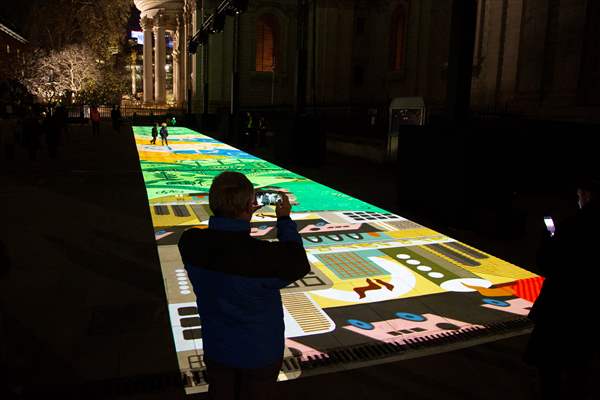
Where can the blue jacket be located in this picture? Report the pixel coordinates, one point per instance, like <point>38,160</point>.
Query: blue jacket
<point>236,279</point>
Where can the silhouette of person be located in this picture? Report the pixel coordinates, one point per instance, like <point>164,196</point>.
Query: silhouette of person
<point>248,136</point>
<point>31,133</point>
<point>242,358</point>
<point>261,131</point>
<point>95,120</point>
<point>52,130</point>
<point>164,133</point>
<point>115,115</point>
<point>154,133</point>
<point>563,345</point>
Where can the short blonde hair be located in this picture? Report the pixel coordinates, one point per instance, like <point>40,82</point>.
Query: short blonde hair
<point>229,194</point>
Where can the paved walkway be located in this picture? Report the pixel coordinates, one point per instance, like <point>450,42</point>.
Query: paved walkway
<point>83,310</point>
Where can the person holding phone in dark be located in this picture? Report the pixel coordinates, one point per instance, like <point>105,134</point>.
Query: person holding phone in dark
<point>237,281</point>
<point>562,345</point>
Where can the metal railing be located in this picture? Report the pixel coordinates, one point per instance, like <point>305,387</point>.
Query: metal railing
<point>127,113</point>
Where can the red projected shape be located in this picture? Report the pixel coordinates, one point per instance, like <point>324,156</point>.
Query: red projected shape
<point>388,286</point>
<point>528,289</point>
<point>371,286</point>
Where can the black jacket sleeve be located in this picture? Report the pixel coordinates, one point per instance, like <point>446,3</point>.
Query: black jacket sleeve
<point>284,260</point>
<point>240,254</point>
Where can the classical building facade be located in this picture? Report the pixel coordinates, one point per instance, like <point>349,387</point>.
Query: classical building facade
<point>538,57</point>
<point>534,57</point>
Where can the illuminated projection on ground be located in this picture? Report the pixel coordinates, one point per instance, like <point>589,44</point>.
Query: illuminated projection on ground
<point>382,288</point>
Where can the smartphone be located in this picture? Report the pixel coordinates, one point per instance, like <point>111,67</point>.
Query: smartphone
<point>550,225</point>
<point>267,198</point>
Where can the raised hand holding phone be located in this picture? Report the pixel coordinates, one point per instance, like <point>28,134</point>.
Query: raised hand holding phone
<point>283,207</point>
<point>267,198</point>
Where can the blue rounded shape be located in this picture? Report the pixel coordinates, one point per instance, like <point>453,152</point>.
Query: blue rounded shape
<point>411,317</point>
<point>263,226</point>
<point>361,324</point>
<point>320,223</point>
<point>495,302</point>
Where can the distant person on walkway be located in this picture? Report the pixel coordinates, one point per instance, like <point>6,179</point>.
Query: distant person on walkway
<point>237,279</point>
<point>31,134</point>
<point>249,133</point>
<point>95,120</point>
<point>262,132</point>
<point>563,346</point>
<point>164,133</point>
<point>52,130</point>
<point>62,117</point>
<point>11,138</point>
<point>154,133</point>
<point>115,115</point>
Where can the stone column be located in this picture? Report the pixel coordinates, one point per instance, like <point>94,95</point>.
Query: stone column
<point>133,83</point>
<point>177,64</point>
<point>147,68</point>
<point>176,80</point>
<point>193,67</point>
<point>188,10</point>
<point>188,59</point>
<point>160,56</point>
<point>460,60</point>
<point>181,60</point>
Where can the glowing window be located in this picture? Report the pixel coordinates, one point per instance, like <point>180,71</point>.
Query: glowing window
<point>266,43</point>
<point>7,49</point>
<point>398,39</point>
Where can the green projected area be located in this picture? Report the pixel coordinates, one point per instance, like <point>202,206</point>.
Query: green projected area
<point>377,279</point>
<point>191,161</point>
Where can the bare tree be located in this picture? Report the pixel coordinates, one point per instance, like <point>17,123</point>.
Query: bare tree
<point>99,26</point>
<point>56,74</point>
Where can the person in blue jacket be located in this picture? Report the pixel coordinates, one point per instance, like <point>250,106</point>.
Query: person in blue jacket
<point>237,281</point>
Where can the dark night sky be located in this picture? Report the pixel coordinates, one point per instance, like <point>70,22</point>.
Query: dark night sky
<point>134,20</point>
<point>14,14</point>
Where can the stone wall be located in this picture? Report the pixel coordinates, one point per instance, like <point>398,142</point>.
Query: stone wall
<point>532,58</point>
<point>528,56</point>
